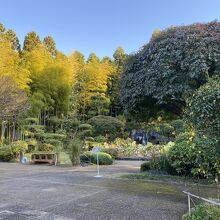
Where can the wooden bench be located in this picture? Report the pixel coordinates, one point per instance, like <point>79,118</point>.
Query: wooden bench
<point>44,157</point>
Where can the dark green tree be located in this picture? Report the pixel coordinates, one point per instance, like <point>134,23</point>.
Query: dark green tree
<point>172,66</point>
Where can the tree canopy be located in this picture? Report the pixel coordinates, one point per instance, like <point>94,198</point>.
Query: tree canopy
<point>175,63</point>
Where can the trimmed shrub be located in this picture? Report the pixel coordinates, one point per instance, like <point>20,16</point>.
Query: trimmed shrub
<point>203,212</point>
<point>54,123</point>
<point>107,126</point>
<point>85,130</point>
<point>104,158</point>
<point>89,157</point>
<point>56,136</point>
<point>70,125</point>
<point>74,149</point>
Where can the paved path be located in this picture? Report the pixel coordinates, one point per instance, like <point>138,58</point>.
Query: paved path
<point>57,193</point>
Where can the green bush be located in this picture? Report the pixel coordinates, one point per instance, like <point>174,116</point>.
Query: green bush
<point>6,153</point>
<point>46,147</point>
<point>162,164</point>
<point>145,166</point>
<point>203,109</point>
<point>54,123</point>
<point>111,151</point>
<point>195,156</point>
<point>106,126</point>
<point>104,158</point>
<point>203,212</point>
<point>74,149</point>
<point>18,146</point>
<point>55,136</point>
<point>70,125</point>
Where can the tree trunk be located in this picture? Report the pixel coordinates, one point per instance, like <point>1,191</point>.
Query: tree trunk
<point>3,131</point>
<point>13,133</point>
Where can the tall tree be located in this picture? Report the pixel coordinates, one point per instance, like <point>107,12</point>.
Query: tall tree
<point>13,100</point>
<point>31,41</point>
<point>77,63</point>
<point>10,36</point>
<point>172,66</point>
<point>13,103</point>
<point>50,45</point>
<point>13,39</point>
<point>11,65</point>
<point>114,80</point>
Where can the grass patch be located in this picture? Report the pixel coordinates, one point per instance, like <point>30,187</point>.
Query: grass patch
<point>165,178</point>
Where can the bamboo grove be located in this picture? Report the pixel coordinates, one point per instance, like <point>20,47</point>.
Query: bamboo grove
<point>39,81</point>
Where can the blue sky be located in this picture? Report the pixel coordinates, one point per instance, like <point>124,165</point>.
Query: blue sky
<point>101,26</point>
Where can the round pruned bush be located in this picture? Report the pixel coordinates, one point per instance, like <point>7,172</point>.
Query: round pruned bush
<point>85,130</point>
<point>104,158</point>
<point>89,157</point>
<point>107,126</point>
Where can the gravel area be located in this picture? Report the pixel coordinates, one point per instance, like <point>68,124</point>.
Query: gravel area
<point>62,193</point>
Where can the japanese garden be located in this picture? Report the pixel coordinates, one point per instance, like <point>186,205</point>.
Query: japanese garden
<point>159,105</point>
